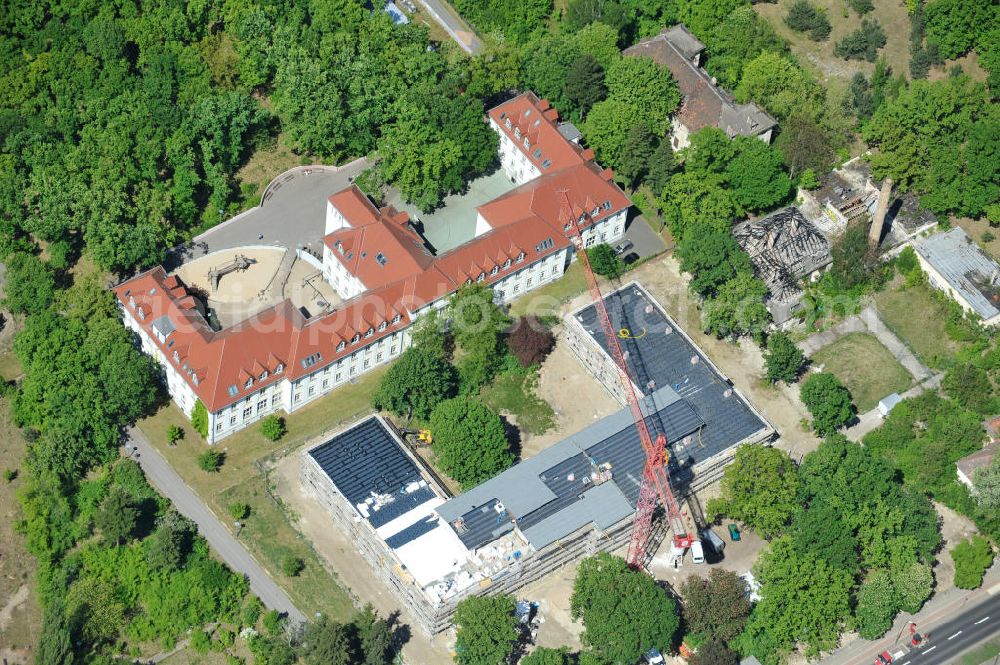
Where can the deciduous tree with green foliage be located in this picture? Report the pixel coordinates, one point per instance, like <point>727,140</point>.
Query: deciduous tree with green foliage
<point>972,558</point>
<point>760,489</point>
<point>783,360</point>
<point>877,605</point>
<point>199,418</point>
<point>486,629</point>
<point>604,261</point>
<point>828,401</point>
<point>416,383</point>
<point>470,443</point>
<point>986,484</point>
<point>624,612</point>
<point>738,308</point>
<point>547,656</point>
<point>585,83</point>
<point>969,386</point>
<point>954,26</point>
<point>716,607</point>
<point>712,257</point>
<point>778,84</point>
<point>735,41</point>
<point>29,284</point>
<point>273,427</point>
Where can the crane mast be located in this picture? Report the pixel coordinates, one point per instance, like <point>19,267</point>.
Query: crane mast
<point>655,477</point>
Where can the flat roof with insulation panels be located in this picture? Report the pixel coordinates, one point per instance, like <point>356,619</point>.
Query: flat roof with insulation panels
<point>371,469</point>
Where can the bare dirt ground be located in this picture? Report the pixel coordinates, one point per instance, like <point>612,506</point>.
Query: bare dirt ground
<point>20,616</point>
<point>307,288</point>
<point>552,594</point>
<point>743,362</point>
<point>351,570</point>
<point>954,529</point>
<point>574,394</point>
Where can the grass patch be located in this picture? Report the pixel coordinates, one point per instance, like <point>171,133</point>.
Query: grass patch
<point>267,162</point>
<point>10,368</point>
<point>546,300</point>
<point>514,393</point>
<point>271,538</point>
<point>983,654</point>
<point>866,367</point>
<point>925,332</point>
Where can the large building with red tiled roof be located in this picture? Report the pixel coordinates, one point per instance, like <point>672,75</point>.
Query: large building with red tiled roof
<point>280,359</point>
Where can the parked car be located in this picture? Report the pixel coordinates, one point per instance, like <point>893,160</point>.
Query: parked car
<point>883,658</point>
<point>623,246</point>
<point>653,657</point>
<point>630,258</point>
<point>734,533</point>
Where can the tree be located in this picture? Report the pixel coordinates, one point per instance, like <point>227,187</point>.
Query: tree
<point>55,644</point>
<point>29,285</point>
<point>738,39</point>
<point>986,484</point>
<point>624,612</point>
<point>585,83</point>
<point>486,629</point>
<point>828,401</point>
<point>716,607</point>
<point>783,360</point>
<point>693,200</point>
<point>913,585</point>
<point>272,427</point>
<point>530,341</point>
<point>805,17</point>
<point>862,44</point>
<point>854,263</point>
<point>239,510</point>
<point>877,606</point>
<point>823,530</point>
<point>477,325</point>
<point>805,145</point>
<point>954,26</point>
<point>211,460</point>
<point>375,636</point>
<point>660,167</point>
<point>117,518</point>
<point>604,261</point>
<point>329,643</point>
<point>779,85</point>
<point>168,544</point>
<point>804,600</point>
<point>581,13</point>
<point>760,489</point>
<point>470,443</point>
<point>636,153</point>
<point>712,257</point>
<point>547,656</point>
<point>199,418</point>
<point>940,156</point>
<point>416,383</point>
<point>174,434</point>
<point>292,565</point>
<point>757,174</point>
<point>715,652</point>
<point>858,101</point>
<point>972,558</point>
<point>970,386</point>
<point>738,308</point>
<point>647,88</point>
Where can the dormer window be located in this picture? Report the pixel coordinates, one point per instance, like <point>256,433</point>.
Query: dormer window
<point>517,132</point>
<point>248,383</point>
<point>279,369</point>
<point>233,390</point>
<point>468,281</point>
<point>567,226</point>
<point>263,375</point>
<point>520,257</point>
<point>177,357</point>
<point>606,205</point>
<point>141,311</point>
<point>506,264</point>
<point>194,379</point>
<point>595,212</point>
<point>507,122</point>
<point>355,339</point>
<point>397,318</point>
<point>481,277</point>
<point>340,347</point>
<point>371,331</point>
<point>382,326</point>
<point>494,270</point>
<point>527,144</point>
<point>131,301</point>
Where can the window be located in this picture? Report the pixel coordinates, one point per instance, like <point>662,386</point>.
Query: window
<point>595,212</point>
<point>367,362</point>
<point>506,264</point>
<point>494,270</point>
<point>326,383</point>
<point>529,281</point>
<point>177,357</point>
<point>298,396</point>
<point>354,370</point>
<point>481,277</point>
<point>555,270</point>
<point>312,389</point>
<point>248,383</point>
<point>261,405</point>
<point>274,399</point>
<point>232,420</point>
<point>397,318</point>
<point>516,288</point>
<point>382,326</point>
<point>247,411</point>
<point>355,339</point>
<point>338,377</point>
<point>606,205</point>
<point>590,241</point>
<point>392,349</point>
<point>520,257</point>
<point>218,427</point>
<point>371,331</point>
<point>378,358</point>
<point>233,390</point>
<point>340,347</point>
<point>263,375</point>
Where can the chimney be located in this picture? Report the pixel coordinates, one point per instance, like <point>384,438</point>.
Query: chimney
<point>875,232</point>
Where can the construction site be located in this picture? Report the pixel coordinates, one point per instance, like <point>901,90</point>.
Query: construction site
<point>592,491</point>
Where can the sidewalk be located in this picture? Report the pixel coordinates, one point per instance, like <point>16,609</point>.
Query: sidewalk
<point>938,609</point>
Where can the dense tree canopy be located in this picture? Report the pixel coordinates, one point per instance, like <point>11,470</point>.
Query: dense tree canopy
<point>416,383</point>
<point>470,443</point>
<point>486,629</point>
<point>828,401</point>
<point>624,612</point>
<point>783,360</point>
<point>716,607</point>
<point>760,488</point>
<point>712,256</point>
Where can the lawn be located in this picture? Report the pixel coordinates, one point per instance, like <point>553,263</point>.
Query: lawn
<point>269,534</point>
<point>919,320</point>
<point>985,653</point>
<point>514,393</point>
<point>866,367</point>
<point>545,300</point>
<point>267,162</point>
<point>10,368</point>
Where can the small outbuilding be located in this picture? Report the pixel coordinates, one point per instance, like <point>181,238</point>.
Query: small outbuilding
<point>955,264</point>
<point>967,466</point>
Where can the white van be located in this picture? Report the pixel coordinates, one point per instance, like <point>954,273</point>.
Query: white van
<point>697,553</point>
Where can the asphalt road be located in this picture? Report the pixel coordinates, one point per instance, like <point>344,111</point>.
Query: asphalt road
<point>949,639</point>
<point>454,25</point>
<point>165,479</point>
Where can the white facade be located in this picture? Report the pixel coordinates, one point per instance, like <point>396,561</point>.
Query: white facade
<point>336,274</point>
<point>514,159</point>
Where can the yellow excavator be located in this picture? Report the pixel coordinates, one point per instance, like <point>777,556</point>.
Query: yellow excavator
<point>424,437</point>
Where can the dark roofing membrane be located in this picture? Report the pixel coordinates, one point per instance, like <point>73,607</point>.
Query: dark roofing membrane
<point>688,403</point>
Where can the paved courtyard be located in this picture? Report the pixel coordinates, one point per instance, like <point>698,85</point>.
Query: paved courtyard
<point>293,214</point>
<point>454,222</point>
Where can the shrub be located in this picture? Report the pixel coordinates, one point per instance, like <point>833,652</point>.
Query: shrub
<point>808,179</point>
<point>604,261</point>
<point>972,558</point>
<point>861,6</point>
<point>987,237</point>
<point>862,44</point>
<point>200,642</point>
<point>174,434</point>
<point>272,622</point>
<point>530,341</point>
<point>239,511</point>
<point>805,17</point>
<point>199,419</point>
<point>783,360</point>
<point>292,565</point>
<point>9,475</point>
<point>251,613</point>
<point>211,460</point>
<point>273,427</point>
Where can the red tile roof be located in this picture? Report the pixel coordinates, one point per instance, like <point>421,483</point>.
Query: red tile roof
<point>529,220</point>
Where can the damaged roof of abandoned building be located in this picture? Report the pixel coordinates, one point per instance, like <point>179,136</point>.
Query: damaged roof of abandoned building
<point>783,247</point>
<point>704,103</point>
<point>970,271</point>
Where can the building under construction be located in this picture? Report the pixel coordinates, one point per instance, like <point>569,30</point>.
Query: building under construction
<point>573,499</point>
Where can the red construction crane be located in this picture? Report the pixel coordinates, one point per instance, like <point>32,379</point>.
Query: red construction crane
<point>655,477</point>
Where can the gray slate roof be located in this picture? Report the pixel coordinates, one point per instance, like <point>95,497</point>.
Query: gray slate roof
<point>968,270</point>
